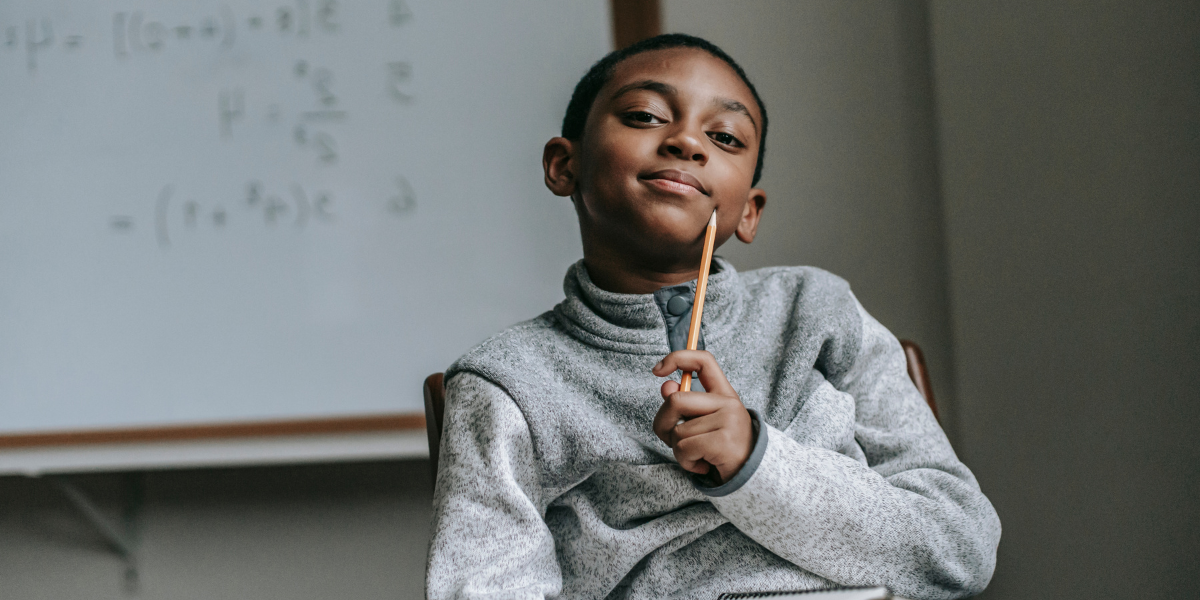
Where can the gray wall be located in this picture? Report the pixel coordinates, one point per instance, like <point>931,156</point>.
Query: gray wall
<point>1070,144</point>
<point>851,165</point>
<point>355,531</point>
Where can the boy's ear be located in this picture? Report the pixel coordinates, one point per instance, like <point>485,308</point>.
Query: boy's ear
<point>751,213</point>
<point>558,166</point>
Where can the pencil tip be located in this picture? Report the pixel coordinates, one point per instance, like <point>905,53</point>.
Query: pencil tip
<point>712,221</point>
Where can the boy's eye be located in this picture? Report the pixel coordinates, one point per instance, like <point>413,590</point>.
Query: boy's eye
<point>642,116</point>
<point>721,137</point>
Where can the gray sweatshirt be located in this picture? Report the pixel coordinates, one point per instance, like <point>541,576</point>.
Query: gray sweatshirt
<point>552,484</point>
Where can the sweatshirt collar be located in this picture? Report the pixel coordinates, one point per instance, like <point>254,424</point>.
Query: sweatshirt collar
<point>634,323</point>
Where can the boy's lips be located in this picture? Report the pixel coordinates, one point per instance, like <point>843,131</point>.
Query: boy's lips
<point>676,180</point>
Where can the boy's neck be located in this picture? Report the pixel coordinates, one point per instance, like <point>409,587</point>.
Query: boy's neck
<point>616,276</point>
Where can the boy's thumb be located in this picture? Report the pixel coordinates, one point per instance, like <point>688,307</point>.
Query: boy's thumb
<point>669,387</point>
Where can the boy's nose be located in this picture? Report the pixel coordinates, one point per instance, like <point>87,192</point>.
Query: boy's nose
<point>685,145</point>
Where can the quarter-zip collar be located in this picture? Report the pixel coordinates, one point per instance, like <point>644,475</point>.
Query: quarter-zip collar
<point>638,323</point>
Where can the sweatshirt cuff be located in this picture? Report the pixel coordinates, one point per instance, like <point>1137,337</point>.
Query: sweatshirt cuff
<point>747,470</point>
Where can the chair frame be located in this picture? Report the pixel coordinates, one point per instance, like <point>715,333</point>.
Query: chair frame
<point>435,407</point>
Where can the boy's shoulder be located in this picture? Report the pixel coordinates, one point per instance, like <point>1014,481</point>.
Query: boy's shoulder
<point>809,298</point>
<point>802,288</point>
<point>798,275</point>
<point>531,340</point>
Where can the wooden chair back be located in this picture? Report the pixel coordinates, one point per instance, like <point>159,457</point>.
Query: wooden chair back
<point>435,397</point>
<point>918,373</point>
<point>435,407</point>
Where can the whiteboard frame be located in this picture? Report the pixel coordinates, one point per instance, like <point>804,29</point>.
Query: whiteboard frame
<point>214,453</point>
<point>376,437</point>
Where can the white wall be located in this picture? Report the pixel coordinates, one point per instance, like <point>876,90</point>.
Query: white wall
<point>1070,144</point>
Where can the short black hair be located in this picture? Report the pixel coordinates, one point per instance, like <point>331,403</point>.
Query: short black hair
<point>589,86</point>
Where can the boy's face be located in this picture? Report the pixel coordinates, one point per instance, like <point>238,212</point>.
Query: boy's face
<point>671,136</point>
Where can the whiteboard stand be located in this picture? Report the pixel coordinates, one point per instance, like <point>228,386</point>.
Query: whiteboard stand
<point>382,437</point>
<point>121,540</point>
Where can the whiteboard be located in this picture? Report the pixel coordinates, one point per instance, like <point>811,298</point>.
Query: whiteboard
<point>231,211</point>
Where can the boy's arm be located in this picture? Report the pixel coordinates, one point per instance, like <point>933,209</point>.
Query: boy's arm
<point>913,519</point>
<point>489,537</point>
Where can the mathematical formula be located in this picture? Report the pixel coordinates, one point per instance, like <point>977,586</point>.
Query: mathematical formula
<point>313,120</point>
<point>174,213</point>
<point>140,32</point>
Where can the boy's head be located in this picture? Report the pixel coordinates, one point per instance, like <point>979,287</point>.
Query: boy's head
<point>656,136</point>
<point>601,72</point>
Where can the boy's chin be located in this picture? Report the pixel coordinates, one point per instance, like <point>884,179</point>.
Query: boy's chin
<point>673,252</point>
<point>660,236</point>
<point>678,224</point>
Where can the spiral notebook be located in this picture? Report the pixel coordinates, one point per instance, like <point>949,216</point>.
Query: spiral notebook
<point>861,593</point>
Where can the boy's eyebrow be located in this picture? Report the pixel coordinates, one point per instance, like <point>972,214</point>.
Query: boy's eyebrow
<point>651,85</point>
<point>731,105</point>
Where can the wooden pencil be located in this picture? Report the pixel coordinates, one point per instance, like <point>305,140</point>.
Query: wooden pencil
<point>693,338</point>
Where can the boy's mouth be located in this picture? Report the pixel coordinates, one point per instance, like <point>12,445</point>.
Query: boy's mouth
<point>676,181</point>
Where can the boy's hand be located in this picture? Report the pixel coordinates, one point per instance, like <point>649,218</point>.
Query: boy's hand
<point>703,428</point>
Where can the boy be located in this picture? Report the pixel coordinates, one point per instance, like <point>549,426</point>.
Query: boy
<point>808,460</point>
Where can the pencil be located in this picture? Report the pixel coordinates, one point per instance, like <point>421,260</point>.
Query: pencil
<point>710,235</point>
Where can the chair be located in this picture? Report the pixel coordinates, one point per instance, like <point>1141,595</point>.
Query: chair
<point>435,397</point>
<point>919,374</point>
<point>435,405</point>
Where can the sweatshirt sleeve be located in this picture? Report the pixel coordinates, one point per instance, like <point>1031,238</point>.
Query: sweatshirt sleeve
<point>912,517</point>
<point>489,536</point>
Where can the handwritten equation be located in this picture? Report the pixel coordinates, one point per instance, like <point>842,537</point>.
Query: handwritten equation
<point>136,31</point>
<point>311,109</point>
<point>291,205</point>
<point>139,32</point>
<point>142,32</point>
<point>313,126</point>
<point>310,125</point>
<point>36,37</point>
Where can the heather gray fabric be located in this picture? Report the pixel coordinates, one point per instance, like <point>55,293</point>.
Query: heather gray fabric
<point>552,483</point>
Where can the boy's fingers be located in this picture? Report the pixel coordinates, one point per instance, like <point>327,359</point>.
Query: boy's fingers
<point>693,404</point>
<point>698,361</point>
<point>708,448</point>
<point>700,467</point>
<point>679,360</point>
<point>682,428</point>
<point>691,452</point>
<point>697,426</point>
<point>681,405</point>
<point>669,387</point>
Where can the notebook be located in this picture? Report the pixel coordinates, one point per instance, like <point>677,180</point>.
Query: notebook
<point>862,593</point>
